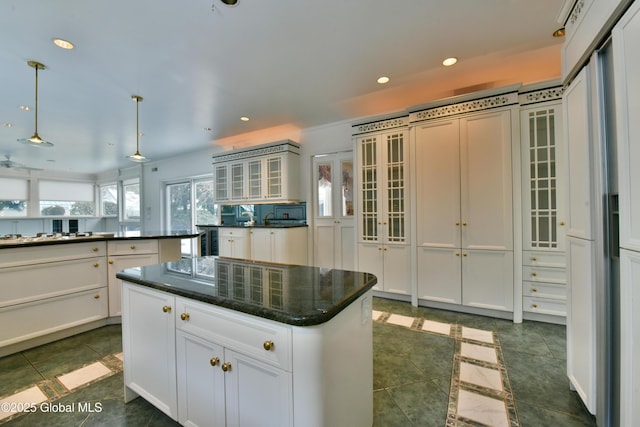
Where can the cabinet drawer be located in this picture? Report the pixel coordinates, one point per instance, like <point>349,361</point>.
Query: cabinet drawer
<point>544,274</point>
<point>238,332</point>
<point>233,232</point>
<point>545,306</point>
<point>44,317</point>
<point>13,257</point>
<point>544,259</point>
<point>29,283</point>
<point>128,247</point>
<point>544,290</point>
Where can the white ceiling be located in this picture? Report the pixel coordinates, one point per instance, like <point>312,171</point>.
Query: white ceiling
<point>286,64</point>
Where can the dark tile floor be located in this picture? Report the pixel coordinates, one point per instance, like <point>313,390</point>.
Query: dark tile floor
<point>412,373</point>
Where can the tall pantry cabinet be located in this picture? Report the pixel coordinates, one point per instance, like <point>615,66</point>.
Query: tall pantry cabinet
<point>382,150</point>
<point>464,207</point>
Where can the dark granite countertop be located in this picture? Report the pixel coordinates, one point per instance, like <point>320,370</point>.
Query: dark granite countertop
<point>240,225</point>
<point>293,294</point>
<point>55,240</point>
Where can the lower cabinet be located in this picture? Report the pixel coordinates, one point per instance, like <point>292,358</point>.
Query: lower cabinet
<point>234,242</point>
<point>281,245</point>
<point>390,263</point>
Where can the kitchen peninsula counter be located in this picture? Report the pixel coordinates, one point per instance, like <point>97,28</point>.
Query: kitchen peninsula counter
<point>264,331</point>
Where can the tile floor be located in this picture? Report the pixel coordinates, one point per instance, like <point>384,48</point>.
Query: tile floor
<point>417,353</point>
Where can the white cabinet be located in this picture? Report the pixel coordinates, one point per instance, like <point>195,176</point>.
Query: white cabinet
<point>50,288</point>
<point>334,220</point>
<point>384,208</point>
<point>232,368</point>
<point>544,282</point>
<point>148,344</point>
<point>629,343</point>
<point>464,233</point>
<point>581,317</point>
<point>234,243</point>
<point>280,245</point>
<point>264,174</point>
<point>122,254</point>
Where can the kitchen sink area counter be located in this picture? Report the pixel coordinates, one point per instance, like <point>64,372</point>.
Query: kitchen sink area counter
<point>263,329</point>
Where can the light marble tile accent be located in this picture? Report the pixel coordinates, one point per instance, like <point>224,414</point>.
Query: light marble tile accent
<point>478,375</point>
<point>485,410</point>
<point>16,402</point>
<point>477,335</point>
<point>84,375</point>
<point>375,314</point>
<point>120,356</point>
<point>436,327</point>
<point>400,320</point>
<point>478,352</point>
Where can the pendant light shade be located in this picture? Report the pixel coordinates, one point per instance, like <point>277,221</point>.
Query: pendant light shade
<point>35,139</point>
<point>137,157</point>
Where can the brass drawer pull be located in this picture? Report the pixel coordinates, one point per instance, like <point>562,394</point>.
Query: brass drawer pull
<point>534,258</point>
<point>166,308</point>
<point>268,345</point>
<point>534,305</point>
<point>226,367</point>
<point>215,361</point>
<point>185,316</point>
<point>96,265</point>
<point>95,249</point>
<point>96,296</point>
<point>132,247</point>
<point>534,290</point>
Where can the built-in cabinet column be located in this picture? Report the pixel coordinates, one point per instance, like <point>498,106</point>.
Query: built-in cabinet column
<point>544,287</point>
<point>464,210</point>
<point>384,207</point>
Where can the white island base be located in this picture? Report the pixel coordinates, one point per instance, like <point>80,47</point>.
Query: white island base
<point>205,365</point>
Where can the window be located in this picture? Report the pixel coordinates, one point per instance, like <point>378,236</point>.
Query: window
<point>14,194</point>
<point>63,198</point>
<point>131,200</point>
<point>109,200</point>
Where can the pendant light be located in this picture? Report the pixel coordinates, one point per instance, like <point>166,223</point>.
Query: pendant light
<point>35,140</point>
<point>137,157</point>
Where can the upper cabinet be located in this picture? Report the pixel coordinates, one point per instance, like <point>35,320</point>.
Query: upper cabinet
<point>587,23</point>
<point>263,174</point>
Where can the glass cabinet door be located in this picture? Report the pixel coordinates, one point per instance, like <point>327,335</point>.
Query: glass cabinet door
<point>324,187</point>
<point>221,183</point>
<point>254,169</point>
<point>395,187</point>
<point>543,209</point>
<point>346,188</point>
<point>274,177</point>
<point>237,181</point>
<point>369,188</point>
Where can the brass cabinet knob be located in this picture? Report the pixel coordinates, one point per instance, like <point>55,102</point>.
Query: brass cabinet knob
<point>95,249</point>
<point>185,316</point>
<point>534,274</point>
<point>464,224</point>
<point>96,265</point>
<point>534,305</point>
<point>215,361</point>
<point>379,249</point>
<point>132,247</point>
<point>385,249</point>
<point>464,254</point>
<point>561,223</point>
<point>534,290</point>
<point>534,258</point>
<point>226,366</point>
<point>166,308</point>
<point>268,345</point>
<point>384,223</point>
<point>96,296</point>
<point>457,253</point>
<point>111,262</point>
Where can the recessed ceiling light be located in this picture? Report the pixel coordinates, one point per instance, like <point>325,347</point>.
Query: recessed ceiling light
<point>24,108</point>
<point>64,44</point>
<point>449,61</point>
<point>244,118</point>
<point>7,125</point>
<point>382,80</point>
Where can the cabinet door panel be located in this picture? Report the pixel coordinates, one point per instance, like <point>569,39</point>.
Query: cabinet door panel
<point>397,266</point>
<point>370,261</point>
<point>578,137</point>
<point>486,181</point>
<point>487,279</point>
<point>201,400</point>
<point>629,343</point>
<point>257,394</point>
<point>440,275</point>
<point>438,184</point>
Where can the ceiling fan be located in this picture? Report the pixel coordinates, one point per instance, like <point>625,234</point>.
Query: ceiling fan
<point>10,164</point>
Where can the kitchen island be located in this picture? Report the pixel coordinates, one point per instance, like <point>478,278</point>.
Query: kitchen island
<point>55,286</point>
<point>219,341</point>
